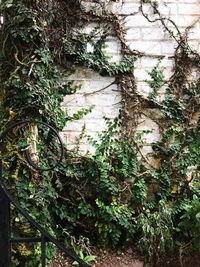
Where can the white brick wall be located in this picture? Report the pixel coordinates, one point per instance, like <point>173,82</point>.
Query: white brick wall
<point>107,103</point>
<point>143,36</point>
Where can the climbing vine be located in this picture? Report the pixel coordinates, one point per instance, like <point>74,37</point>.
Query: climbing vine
<point>117,193</point>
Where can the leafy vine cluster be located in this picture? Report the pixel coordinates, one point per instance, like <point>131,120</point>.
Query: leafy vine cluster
<point>117,194</point>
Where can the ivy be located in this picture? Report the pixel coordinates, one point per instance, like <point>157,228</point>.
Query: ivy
<point>116,193</point>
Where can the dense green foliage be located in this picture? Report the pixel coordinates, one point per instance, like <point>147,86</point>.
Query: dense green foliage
<point>115,194</point>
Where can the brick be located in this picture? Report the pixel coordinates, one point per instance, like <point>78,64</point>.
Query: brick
<point>152,34</point>
<point>124,9</point>
<point>194,33</point>
<point>147,62</point>
<point>85,148</point>
<point>82,148</point>
<point>63,137</point>
<point>133,34</point>
<point>103,99</point>
<point>128,1</point>
<point>83,74</point>
<point>194,75</point>
<point>95,86</point>
<point>115,58</point>
<point>189,9</point>
<point>113,46</point>
<point>71,137</point>
<point>143,89</point>
<point>141,74</point>
<point>168,48</point>
<point>181,1</point>
<point>146,124</point>
<point>148,47</point>
<point>111,112</point>
<point>189,1</point>
<point>195,45</point>
<point>150,137</point>
<point>74,126</point>
<point>74,100</point>
<point>167,62</point>
<point>184,21</point>
<point>136,21</point>
<point>168,9</point>
<point>147,9</point>
<point>95,126</point>
<point>95,113</point>
<point>153,113</point>
<point>167,73</point>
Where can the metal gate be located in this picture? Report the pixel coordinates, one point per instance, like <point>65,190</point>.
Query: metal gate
<point>6,200</point>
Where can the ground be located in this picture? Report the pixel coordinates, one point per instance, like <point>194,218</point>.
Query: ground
<point>126,259</point>
<point>129,259</point>
<point>109,259</point>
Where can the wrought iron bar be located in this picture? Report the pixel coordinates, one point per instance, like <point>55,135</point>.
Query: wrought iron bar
<point>43,250</point>
<point>6,199</point>
<point>5,250</point>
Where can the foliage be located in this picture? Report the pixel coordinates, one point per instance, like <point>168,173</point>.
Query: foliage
<point>29,78</point>
<point>98,60</point>
<point>116,194</point>
<point>97,195</point>
<point>156,233</point>
<point>190,221</point>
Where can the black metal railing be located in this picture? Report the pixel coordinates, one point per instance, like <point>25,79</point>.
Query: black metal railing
<point>6,200</point>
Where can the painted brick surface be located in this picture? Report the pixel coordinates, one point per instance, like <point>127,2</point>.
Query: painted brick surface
<point>143,36</point>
